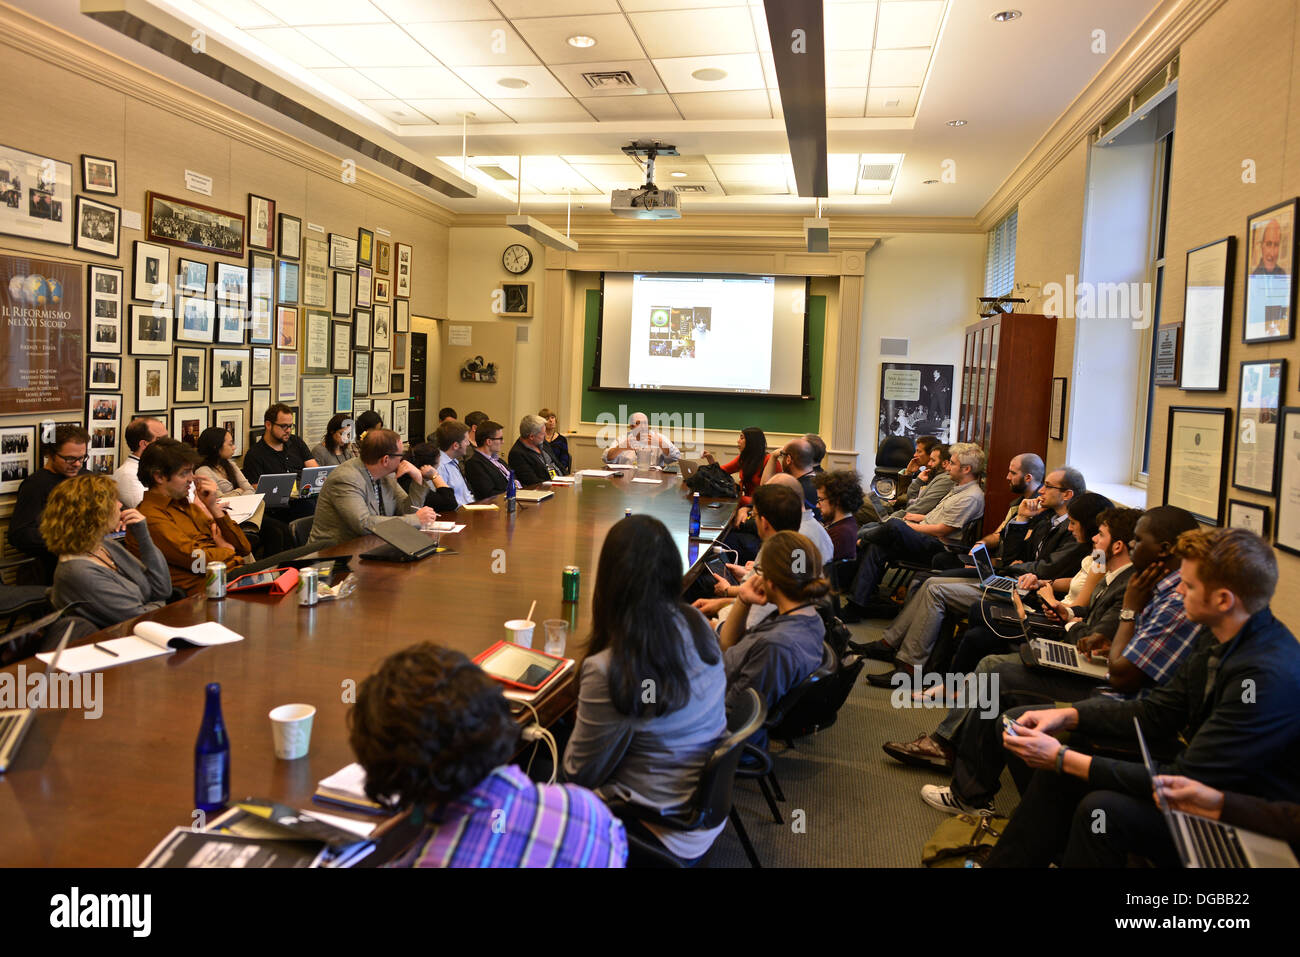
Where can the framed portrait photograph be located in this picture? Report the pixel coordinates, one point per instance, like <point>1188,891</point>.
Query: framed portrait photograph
<point>1196,460</point>
<point>98,226</point>
<point>315,273</point>
<point>341,353</point>
<point>1259,397</point>
<point>261,372</point>
<point>98,175</point>
<point>261,223</point>
<point>361,373</point>
<point>235,421</point>
<point>188,424</point>
<point>17,456</point>
<point>195,319</point>
<point>343,252</point>
<point>103,420</point>
<point>232,283</point>
<point>191,374</point>
<point>151,331</point>
<point>1270,296</point>
<point>380,373</point>
<point>383,289</point>
<point>191,277</point>
<point>343,393</point>
<point>514,299</point>
<point>1248,515</point>
<point>151,378</point>
<point>286,327</point>
<point>361,327</point>
<point>104,309</point>
<point>182,222</point>
<point>232,320</point>
<point>343,293</point>
<point>286,285</point>
<point>383,258</point>
<point>35,197</point>
<point>365,250</point>
<point>317,336</point>
<point>365,285</point>
<point>290,237</point>
<point>402,281</point>
<point>382,336</point>
<point>402,315</point>
<point>1286,532</point>
<point>151,273</point>
<point>104,374</point>
<point>231,375</point>
<point>1206,307</point>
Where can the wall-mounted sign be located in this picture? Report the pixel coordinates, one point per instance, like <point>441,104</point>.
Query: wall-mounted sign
<point>42,355</point>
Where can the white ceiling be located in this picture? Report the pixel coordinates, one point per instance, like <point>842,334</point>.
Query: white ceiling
<point>897,71</point>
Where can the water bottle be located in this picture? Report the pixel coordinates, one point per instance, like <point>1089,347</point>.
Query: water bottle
<point>511,504</point>
<point>212,756</point>
<point>695,516</point>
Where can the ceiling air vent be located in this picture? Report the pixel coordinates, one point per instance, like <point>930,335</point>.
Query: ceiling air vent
<point>611,80</point>
<point>496,172</point>
<point>691,189</point>
<point>877,171</point>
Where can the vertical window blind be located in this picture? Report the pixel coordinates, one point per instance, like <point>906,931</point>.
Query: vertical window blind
<point>1000,260</point>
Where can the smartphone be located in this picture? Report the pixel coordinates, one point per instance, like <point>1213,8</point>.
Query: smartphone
<point>1010,726</point>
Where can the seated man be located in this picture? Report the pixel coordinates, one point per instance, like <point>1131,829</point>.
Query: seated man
<point>434,733</point>
<point>452,439</point>
<point>362,491</point>
<point>1232,701</point>
<point>473,421</point>
<point>139,434</point>
<point>927,490</point>
<point>639,436</point>
<point>280,452</point>
<point>818,449</point>
<point>796,460</point>
<point>65,457</point>
<point>920,538</point>
<point>487,473</point>
<point>744,540</point>
<point>529,457</point>
<point>189,534</point>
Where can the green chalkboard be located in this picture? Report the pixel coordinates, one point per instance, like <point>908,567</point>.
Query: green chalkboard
<point>710,411</point>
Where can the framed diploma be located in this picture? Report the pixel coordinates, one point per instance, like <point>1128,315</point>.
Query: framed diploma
<point>314,279</point>
<point>1263,384</point>
<point>1249,516</point>
<point>316,332</point>
<point>317,404</point>
<point>1287,531</point>
<point>1207,298</point>
<point>1169,353</point>
<point>1196,461</point>
<point>1269,302</point>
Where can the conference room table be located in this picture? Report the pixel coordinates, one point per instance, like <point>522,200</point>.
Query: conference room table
<point>104,792</point>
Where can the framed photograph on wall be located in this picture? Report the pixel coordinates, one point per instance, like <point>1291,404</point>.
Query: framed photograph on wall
<point>359,406</point>
<point>1259,396</point>
<point>232,283</point>
<point>383,289</point>
<point>17,456</point>
<point>188,424</point>
<point>915,398</point>
<point>286,286</point>
<point>361,373</point>
<point>182,222</point>
<point>514,299</point>
<point>98,227</point>
<point>341,354</point>
<point>1207,304</point>
<point>385,409</point>
<point>316,332</point>
<point>191,277</point>
<point>1169,353</point>
<point>365,249</point>
<point>151,378</point>
<point>397,383</point>
<point>1286,531</point>
<point>402,281</point>
<point>234,421</point>
<point>1249,516</point>
<point>261,223</point>
<point>232,319</point>
<point>1270,296</point>
<point>402,418</point>
<point>104,309</point>
<point>151,331</point>
<point>343,252</point>
<point>261,296</point>
<point>195,319</point>
<point>290,237</point>
<point>361,326</point>
<point>37,195</point>
<point>231,375</point>
<point>191,375</point>
<point>342,293</point>
<point>1056,422</point>
<point>98,175</point>
<point>151,273</point>
<point>399,352</point>
<point>261,373</point>
<point>286,327</point>
<point>104,373</point>
<point>1196,460</point>
<point>365,284</point>
<point>103,422</point>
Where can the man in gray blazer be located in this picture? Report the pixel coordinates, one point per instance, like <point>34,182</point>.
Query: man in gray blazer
<point>364,490</point>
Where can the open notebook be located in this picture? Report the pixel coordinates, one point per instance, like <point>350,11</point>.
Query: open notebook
<point>150,640</point>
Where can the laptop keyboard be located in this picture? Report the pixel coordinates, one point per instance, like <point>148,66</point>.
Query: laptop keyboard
<point>1216,845</point>
<point>1059,653</point>
<point>9,724</point>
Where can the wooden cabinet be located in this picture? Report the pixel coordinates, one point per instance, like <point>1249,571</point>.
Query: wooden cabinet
<point>1006,397</point>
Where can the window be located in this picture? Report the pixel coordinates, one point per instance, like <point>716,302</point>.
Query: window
<point>1164,161</point>
<point>1000,260</point>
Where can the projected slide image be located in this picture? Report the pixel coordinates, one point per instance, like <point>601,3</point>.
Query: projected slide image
<point>681,326</point>
<point>661,347</point>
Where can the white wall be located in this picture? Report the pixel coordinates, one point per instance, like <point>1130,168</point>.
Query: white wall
<point>921,287</point>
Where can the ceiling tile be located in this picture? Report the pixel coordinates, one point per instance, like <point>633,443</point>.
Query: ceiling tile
<point>746,159</point>
<point>353,83</point>
<point>849,26</point>
<point>473,43</point>
<point>642,71</point>
<point>371,45</point>
<point>552,175</point>
<point>914,23</point>
<point>611,177</point>
<point>610,108</point>
<point>435,11</point>
<point>892,101</point>
<point>615,159</point>
<point>549,36</point>
<point>515,9</point>
<point>398,111</point>
<point>847,68</point>
<point>242,13</point>
<point>687,33</point>
<point>447,111</point>
<point>545,110</point>
<point>484,80</point>
<point>756,189</point>
<point>632,6</point>
<point>842,172</point>
<point>295,46</point>
<point>425,82</point>
<point>303,12</point>
<point>899,67</point>
<point>759,20</point>
<point>840,102</point>
<point>769,174</point>
<point>744,72</point>
<point>738,105</point>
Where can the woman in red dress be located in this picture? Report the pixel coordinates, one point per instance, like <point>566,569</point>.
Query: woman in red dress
<point>752,444</point>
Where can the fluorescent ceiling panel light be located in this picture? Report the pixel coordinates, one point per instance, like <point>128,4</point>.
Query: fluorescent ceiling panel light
<point>542,233</point>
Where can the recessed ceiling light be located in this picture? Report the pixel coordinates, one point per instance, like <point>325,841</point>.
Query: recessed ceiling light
<point>928,182</point>
<point>678,173</point>
<point>581,42</point>
<point>956,122</point>
<point>1006,16</point>
<point>709,74</point>
<point>512,83</point>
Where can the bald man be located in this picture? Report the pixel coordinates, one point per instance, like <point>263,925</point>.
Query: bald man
<point>795,459</point>
<point>744,539</point>
<point>1269,247</point>
<point>639,436</point>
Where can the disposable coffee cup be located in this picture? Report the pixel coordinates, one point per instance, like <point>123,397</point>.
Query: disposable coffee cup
<point>291,730</point>
<point>520,631</point>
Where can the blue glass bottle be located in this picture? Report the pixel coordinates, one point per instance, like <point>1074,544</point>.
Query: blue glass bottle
<point>695,516</point>
<point>212,756</point>
<point>511,504</point>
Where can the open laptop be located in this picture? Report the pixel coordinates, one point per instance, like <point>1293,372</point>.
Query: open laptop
<point>313,480</point>
<point>15,724</point>
<point>689,467</point>
<point>1205,843</point>
<point>533,494</point>
<point>989,579</point>
<point>277,487</point>
<point>405,543</point>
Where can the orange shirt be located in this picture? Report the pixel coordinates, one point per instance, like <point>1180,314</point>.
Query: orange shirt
<point>180,528</point>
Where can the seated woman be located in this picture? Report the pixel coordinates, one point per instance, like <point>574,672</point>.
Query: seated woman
<point>839,496</point>
<point>336,447</point>
<point>487,473</point>
<point>782,649</point>
<point>556,442</point>
<point>216,448</point>
<point>752,457</point>
<point>111,584</point>
<point>623,746</point>
<point>366,421</point>
<point>424,456</point>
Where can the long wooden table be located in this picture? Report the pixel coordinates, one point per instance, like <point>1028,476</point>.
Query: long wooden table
<point>104,792</point>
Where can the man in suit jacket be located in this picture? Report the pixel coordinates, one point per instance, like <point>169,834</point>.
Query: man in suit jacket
<point>486,473</point>
<point>529,457</point>
<point>362,491</point>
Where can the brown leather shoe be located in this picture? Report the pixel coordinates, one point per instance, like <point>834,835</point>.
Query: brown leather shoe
<point>924,752</point>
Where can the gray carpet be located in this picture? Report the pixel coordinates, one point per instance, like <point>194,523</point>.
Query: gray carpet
<point>861,807</point>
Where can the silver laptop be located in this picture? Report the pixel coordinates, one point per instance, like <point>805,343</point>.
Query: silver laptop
<point>14,724</point>
<point>1205,843</point>
<point>313,480</point>
<point>689,467</point>
<point>534,494</point>
<point>1059,655</point>
<point>990,579</point>
<point>277,487</point>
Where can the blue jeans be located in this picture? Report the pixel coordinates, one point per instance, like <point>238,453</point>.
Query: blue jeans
<point>897,541</point>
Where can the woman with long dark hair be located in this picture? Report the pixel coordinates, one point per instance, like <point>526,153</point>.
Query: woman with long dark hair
<point>752,458</point>
<point>216,447</point>
<point>650,704</point>
<point>336,446</point>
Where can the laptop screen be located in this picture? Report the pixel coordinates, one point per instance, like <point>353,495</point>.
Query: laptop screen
<point>1150,764</point>
<point>983,564</point>
<point>401,535</point>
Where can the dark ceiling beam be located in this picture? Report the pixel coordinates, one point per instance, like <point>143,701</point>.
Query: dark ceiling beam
<point>798,47</point>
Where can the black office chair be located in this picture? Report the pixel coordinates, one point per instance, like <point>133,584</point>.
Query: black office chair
<point>711,802</point>
<point>301,529</point>
<point>901,573</point>
<point>840,573</point>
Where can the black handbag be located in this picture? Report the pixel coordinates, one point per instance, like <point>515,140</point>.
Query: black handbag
<point>711,482</point>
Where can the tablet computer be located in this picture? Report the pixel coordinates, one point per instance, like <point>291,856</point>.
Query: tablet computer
<point>519,667</point>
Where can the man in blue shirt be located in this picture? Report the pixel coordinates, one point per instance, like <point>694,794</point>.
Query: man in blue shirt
<point>452,439</point>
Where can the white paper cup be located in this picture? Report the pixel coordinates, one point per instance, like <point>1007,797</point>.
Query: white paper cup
<point>291,730</point>
<point>520,631</point>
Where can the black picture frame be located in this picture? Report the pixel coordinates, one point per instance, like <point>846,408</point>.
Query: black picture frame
<point>93,184</point>
<point>1221,466</point>
<point>1195,339</point>
<point>1285,536</point>
<point>1261,520</point>
<point>151,276</point>
<point>185,268</point>
<point>365,247</point>
<point>168,218</point>
<point>231,284</point>
<point>194,324</point>
<point>1272,369</point>
<point>341,293</point>
<point>191,384</point>
<point>289,240</point>
<point>96,381</point>
<point>151,331</point>
<point>18,456</point>
<point>257,204</point>
<point>1261,284</point>
<point>91,214</point>
<point>104,310</point>
<point>1056,427</point>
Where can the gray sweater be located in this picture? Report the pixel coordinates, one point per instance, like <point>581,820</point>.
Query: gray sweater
<point>111,596</point>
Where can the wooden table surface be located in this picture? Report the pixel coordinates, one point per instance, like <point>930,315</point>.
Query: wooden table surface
<point>104,792</point>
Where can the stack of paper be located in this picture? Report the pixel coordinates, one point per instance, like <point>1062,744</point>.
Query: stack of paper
<point>597,473</point>
<point>242,507</point>
<point>150,640</point>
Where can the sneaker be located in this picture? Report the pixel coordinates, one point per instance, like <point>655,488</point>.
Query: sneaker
<point>941,798</point>
<point>878,649</point>
<point>924,752</point>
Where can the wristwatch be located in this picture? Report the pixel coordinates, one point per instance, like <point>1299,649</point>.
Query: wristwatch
<point>1127,614</point>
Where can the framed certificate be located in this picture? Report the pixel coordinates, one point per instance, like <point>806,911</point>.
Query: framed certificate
<point>1286,534</point>
<point>1262,387</point>
<point>1249,516</point>
<point>1056,425</point>
<point>1206,302</point>
<point>1196,461</point>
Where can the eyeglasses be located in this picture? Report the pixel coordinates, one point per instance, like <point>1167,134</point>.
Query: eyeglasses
<point>1059,488</point>
<point>71,459</point>
<point>282,425</point>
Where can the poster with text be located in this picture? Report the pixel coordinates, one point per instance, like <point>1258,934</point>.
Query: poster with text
<point>915,400</point>
<point>42,355</point>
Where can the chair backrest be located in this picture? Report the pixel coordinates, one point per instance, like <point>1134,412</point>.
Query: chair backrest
<point>301,528</point>
<point>791,698</point>
<point>970,532</point>
<point>840,573</point>
<point>712,798</point>
<point>820,707</point>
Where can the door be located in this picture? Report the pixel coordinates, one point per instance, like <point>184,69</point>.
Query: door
<point>419,383</point>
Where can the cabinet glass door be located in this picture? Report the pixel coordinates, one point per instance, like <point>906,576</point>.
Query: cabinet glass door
<point>987,431</point>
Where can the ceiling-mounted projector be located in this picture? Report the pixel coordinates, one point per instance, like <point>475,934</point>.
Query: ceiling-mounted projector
<point>649,201</point>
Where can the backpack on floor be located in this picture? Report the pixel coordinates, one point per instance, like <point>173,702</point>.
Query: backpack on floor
<point>964,840</point>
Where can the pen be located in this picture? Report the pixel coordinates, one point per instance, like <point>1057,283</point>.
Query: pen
<point>105,650</point>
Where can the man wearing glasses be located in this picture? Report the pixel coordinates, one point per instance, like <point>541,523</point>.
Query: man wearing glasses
<point>65,457</point>
<point>361,492</point>
<point>278,452</point>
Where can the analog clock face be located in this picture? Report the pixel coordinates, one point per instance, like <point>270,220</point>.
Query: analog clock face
<point>517,259</point>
